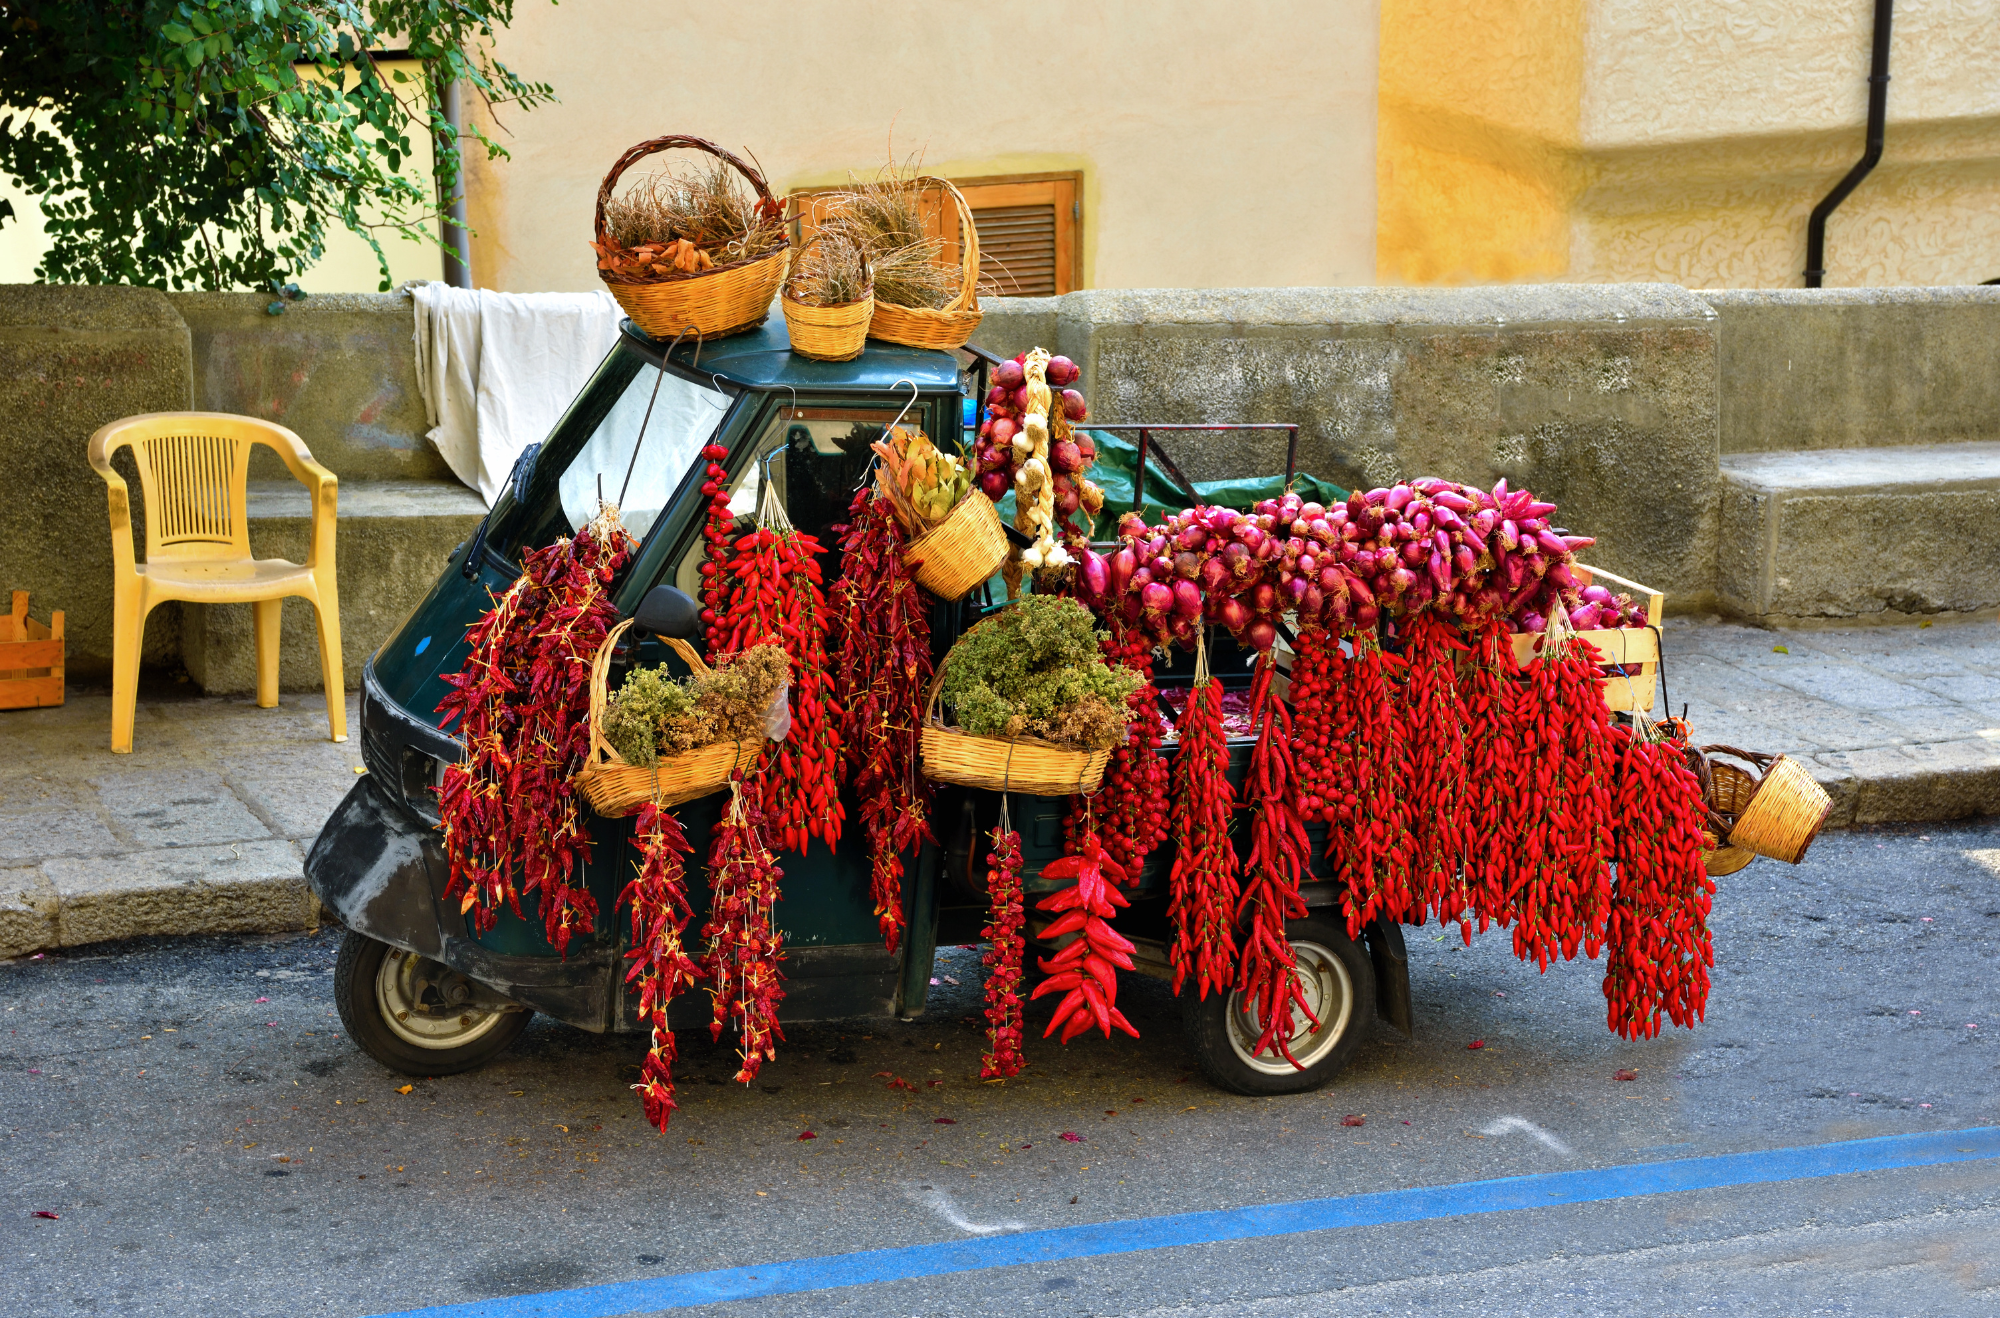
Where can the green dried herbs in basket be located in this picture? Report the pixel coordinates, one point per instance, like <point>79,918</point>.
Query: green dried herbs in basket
<point>654,713</point>
<point>1036,669</point>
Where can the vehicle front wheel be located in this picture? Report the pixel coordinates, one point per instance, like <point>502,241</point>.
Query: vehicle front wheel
<point>416,1015</point>
<point>1338,983</point>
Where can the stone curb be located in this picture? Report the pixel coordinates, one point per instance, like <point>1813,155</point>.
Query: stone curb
<point>1915,784</point>
<point>72,901</point>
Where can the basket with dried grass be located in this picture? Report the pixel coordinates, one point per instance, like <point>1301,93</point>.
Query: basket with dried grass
<point>691,251</point>
<point>829,298</point>
<point>923,299</point>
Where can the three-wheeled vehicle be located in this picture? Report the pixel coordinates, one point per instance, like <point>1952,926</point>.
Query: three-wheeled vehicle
<point>425,992</point>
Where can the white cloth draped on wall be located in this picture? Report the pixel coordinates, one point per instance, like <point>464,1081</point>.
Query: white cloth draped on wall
<point>498,370</point>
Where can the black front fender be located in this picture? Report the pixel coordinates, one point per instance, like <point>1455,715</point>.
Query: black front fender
<point>377,870</point>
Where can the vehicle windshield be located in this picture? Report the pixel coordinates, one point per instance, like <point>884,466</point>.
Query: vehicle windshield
<point>631,418</point>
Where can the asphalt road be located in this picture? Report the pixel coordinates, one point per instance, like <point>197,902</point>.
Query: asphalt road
<point>211,1144</point>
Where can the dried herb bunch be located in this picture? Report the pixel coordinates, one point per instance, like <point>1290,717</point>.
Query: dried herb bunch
<point>830,272</point>
<point>655,713</point>
<point>1036,669</point>
<point>882,217</point>
<point>704,206</point>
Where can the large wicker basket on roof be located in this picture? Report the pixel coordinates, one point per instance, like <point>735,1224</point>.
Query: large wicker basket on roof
<point>708,302</point>
<point>952,324</point>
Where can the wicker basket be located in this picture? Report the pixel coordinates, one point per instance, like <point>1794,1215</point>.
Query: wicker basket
<point>948,326</point>
<point>616,788</point>
<point>828,334</point>
<point>966,548</point>
<point>1026,765</point>
<point>1785,810</point>
<point>726,300</point>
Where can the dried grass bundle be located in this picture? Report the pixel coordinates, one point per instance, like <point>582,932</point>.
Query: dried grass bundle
<point>706,205</point>
<point>829,272</point>
<point>883,217</point>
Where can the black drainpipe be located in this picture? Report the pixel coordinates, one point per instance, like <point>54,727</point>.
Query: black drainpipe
<point>1878,113</point>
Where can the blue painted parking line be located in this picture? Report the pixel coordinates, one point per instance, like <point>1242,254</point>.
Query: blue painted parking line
<point>1593,1185</point>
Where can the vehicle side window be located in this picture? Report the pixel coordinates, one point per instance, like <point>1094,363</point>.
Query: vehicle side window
<point>818,456</point>
<point>631,418</point>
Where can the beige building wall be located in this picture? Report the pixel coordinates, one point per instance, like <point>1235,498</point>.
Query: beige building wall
<point>1220,145</point>
<point>1684,140</point>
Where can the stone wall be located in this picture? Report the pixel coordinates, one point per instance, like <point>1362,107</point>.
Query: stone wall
<point>1845,368</point>
<point>1601,396</point>
<point>341,371</point>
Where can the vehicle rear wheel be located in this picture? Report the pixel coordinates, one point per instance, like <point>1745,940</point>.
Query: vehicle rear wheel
<point>416,1015</point>
<point>1339,988</point>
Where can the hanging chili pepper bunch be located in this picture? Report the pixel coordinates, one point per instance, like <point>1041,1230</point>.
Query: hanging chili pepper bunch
<point>1660,946</point>
<point>1495,791</point>
<point>522,702</point>
<point>881,643</point>
<point>1370,839</point>
<point>1085,971</point>
<point>1135,782</point>
<point>715,529</point>
<point>660,963</point>
<point>741,964</point>
<point>1431,776</point>
<point>1322,796</point>
<point>1280,859</point>
<point>1202,889</point>
<point>1561,896</point>
<point>769,590</point>
<point>1005,946</point>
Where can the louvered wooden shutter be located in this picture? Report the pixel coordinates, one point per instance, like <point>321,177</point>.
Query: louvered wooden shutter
<point>1029,226</point>
<point>1028,230</point>
<point>1017,249</point>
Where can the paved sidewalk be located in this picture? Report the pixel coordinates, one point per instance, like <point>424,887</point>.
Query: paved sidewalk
<point>203,828</point>
<point>1899,724</point>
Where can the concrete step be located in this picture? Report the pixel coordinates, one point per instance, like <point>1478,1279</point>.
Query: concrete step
<point>1881,534</point>
<point>392,540</point>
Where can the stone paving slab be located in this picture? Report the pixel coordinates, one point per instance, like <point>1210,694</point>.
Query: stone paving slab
<point>203,828</point>
<point>1899,723</point>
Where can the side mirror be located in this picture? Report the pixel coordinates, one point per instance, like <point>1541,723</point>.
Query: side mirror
<point>669,611</point>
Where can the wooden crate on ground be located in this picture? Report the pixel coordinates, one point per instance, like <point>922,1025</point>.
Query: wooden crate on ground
<point>1622,647</point>
<point>31,658</point>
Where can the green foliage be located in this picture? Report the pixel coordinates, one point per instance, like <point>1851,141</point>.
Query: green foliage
<point>654,713</point>
<point>1037,669</point>
<point>211,143</point>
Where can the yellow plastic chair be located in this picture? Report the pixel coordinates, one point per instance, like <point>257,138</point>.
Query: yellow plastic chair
<point>194,467</point>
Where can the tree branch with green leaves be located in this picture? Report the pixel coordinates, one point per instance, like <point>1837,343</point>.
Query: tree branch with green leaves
<point>214,144</point>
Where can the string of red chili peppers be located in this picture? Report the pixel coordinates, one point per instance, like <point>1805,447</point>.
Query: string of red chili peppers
<point>1562,893</point>
<point>1280,858</point>
<point>1495,815</point>
<point>1005,947</point>
<point>1202,889</point>
<point>1134,819</point>
<point>744,942</point>
<point>772,593</point>
<point>522,703</point>
<point>660,964</point>
<point>1431,776</point>
<point>1661,951</point>
<point>1370,839</point>
<point>1322,795</point>
<point>1085,971</point>
<point>881,643</point>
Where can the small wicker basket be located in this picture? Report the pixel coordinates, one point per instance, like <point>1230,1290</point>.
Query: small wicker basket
<point>948,326</point>
<point>1785,809</point>
<point>1026,765</point>
<point>726,300</point>
<point>616,788</point>
<point>828,334</point>
<point>966,548</point>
